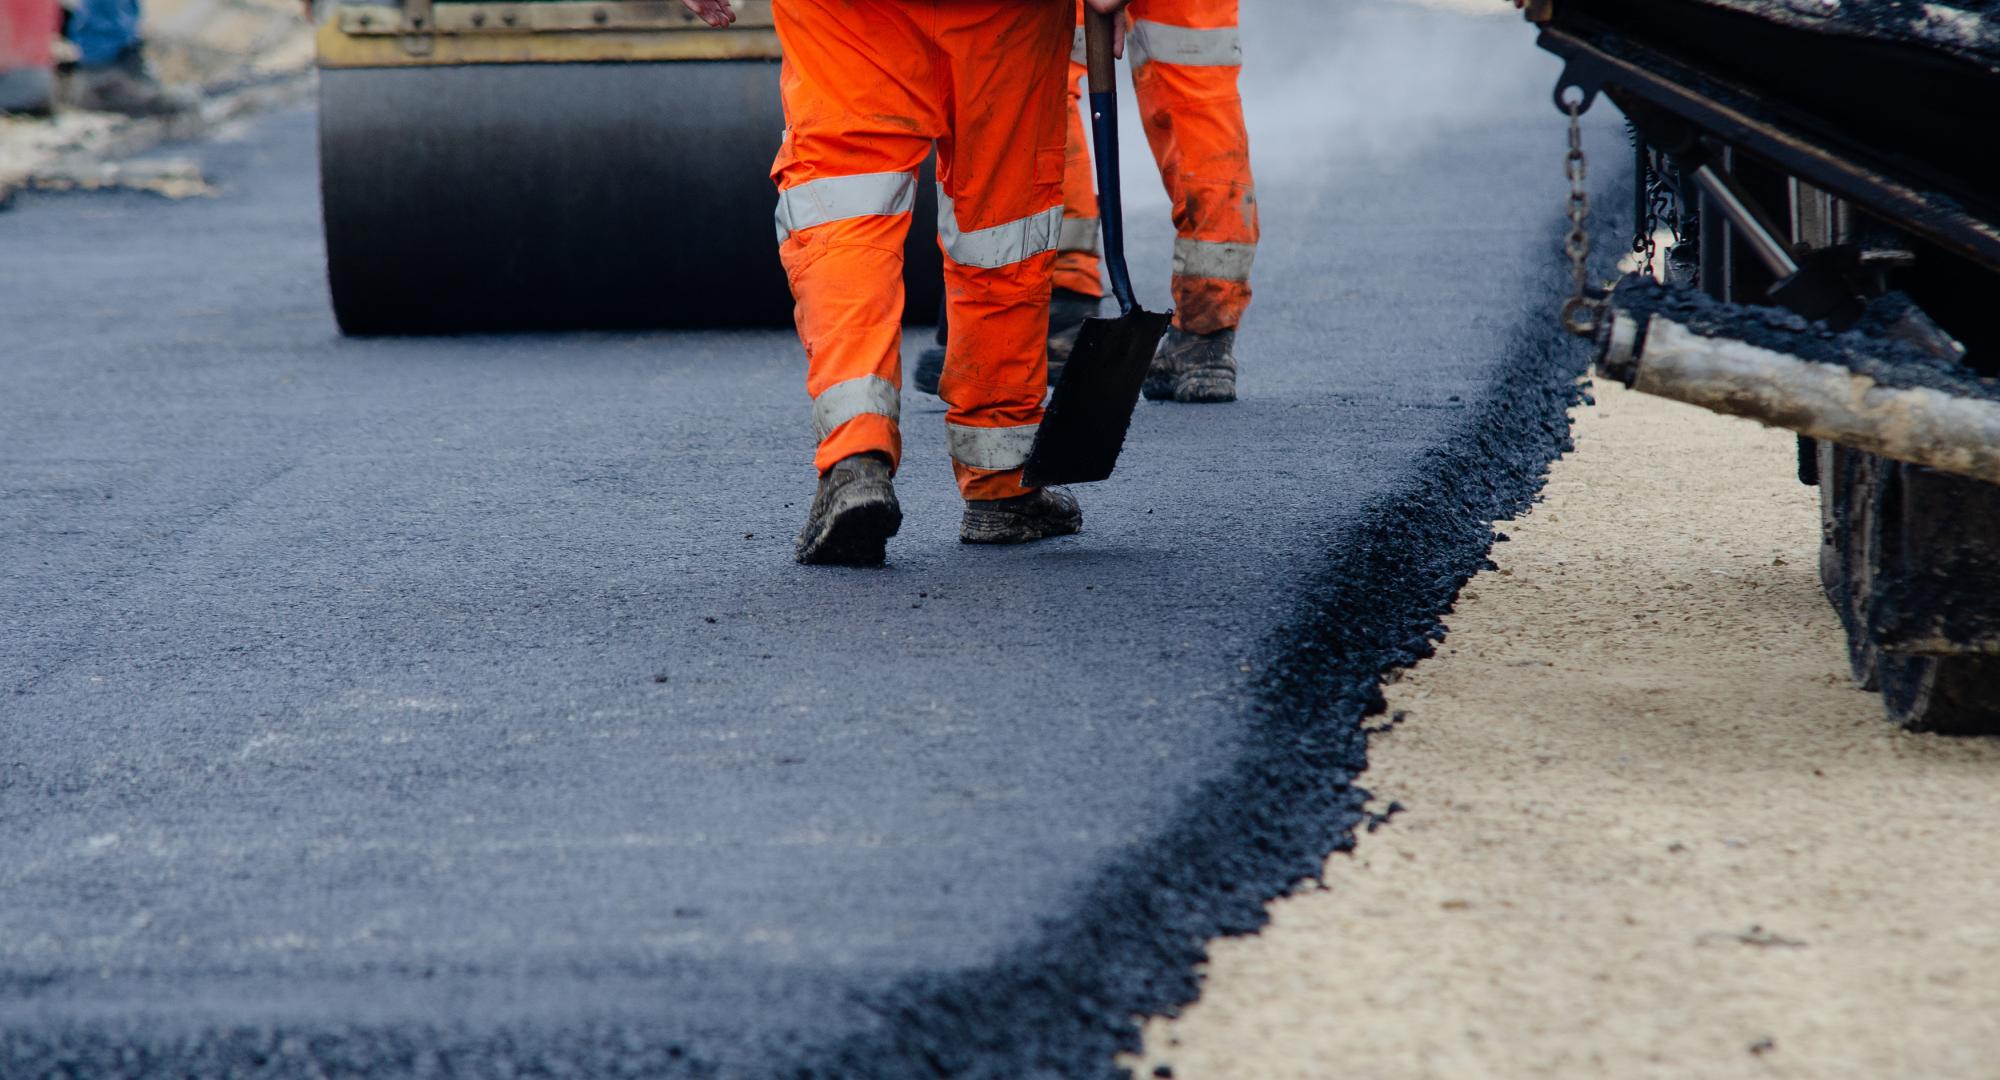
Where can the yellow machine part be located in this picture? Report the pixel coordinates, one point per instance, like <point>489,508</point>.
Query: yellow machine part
<point>424,34</point>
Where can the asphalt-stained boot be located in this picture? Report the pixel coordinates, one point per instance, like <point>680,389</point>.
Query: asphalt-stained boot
<point>1041,513</point>
<point>128,86</point>
<point>1193,367</point>
<point>1067,310</point>
<point>853,515</point>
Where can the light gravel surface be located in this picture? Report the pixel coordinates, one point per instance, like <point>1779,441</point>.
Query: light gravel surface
<point>1649,827</point>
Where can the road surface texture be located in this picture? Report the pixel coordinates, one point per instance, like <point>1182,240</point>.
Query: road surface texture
<point>1650,828</point>
<point>389,707</point>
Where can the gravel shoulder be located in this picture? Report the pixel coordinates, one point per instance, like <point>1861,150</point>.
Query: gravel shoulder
<point>1648,827</point>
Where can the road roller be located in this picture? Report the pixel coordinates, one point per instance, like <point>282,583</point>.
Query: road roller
<point>555,165</point>
<point>1819,224</point>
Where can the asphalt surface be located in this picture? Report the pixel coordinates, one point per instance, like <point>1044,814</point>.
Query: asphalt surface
<point>385,707</point>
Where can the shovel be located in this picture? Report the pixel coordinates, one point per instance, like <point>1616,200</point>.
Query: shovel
<point>1084,426</point>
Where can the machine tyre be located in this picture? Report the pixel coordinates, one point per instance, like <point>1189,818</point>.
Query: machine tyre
<point>1945,695</point>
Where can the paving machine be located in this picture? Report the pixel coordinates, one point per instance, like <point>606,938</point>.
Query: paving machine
<point>1819,243</point>
<point>557,164</point>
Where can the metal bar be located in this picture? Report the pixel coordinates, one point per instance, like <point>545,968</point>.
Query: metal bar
<point>1758,230</point>
<point>1921,425</point>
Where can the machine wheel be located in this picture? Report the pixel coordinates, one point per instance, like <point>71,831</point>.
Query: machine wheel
<point>1846,501</point>
<point>547,196</point>
<point>1947,695</point>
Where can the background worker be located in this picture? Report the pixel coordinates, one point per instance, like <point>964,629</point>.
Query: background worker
<point>868,87</point>
<point>111,73</point>
<point>1185,56</point>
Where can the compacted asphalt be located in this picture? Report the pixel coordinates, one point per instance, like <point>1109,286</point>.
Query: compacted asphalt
<point>454,706</point>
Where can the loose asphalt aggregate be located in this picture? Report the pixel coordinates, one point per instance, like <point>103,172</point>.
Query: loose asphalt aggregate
<point>453,706</point>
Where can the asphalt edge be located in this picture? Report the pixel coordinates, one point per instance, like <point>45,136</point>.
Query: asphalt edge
<point>1068,1006</point>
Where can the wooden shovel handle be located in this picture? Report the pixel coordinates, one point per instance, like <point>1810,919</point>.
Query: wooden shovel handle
<point>1097,34</point>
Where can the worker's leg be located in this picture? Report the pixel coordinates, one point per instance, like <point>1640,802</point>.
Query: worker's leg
<point>104,30</point>
<point>857,127</point>
<point>1185,58</point>
<point>112,74</point>
<point>1000,215</point>
<point>861,110</point>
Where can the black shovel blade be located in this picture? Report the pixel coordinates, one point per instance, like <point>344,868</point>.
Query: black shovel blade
<point>1085,423</point>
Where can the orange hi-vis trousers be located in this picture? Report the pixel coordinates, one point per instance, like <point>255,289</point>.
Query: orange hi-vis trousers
<point>1185,57</point>
<point>869,86</point>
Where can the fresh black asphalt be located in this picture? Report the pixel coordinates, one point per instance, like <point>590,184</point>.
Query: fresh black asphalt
<point>454,707</point>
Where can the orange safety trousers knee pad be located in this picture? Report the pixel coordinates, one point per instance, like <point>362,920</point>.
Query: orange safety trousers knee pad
<point>869,86</point>
<point>1185,57</point>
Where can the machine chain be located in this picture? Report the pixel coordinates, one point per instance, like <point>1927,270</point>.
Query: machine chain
<point>1650,198</point>
<point>1580,313</point>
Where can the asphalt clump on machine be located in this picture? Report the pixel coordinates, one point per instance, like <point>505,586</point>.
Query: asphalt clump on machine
<point>1871,347</point>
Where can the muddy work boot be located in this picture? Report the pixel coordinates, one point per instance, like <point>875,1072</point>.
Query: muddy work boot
<point>1193,367</point>
<point>1041,513</point>
<point>1067,310</point>
<point>853,515</point>
<point>128,86</point>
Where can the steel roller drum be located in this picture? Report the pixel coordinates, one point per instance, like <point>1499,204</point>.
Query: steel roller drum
<point>543,196</point>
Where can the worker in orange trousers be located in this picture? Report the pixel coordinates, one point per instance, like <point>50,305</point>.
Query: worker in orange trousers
<point>1185,56</point>
<point>869,86</point>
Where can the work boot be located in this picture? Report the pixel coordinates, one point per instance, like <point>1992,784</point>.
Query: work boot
<point>1193,367</point>
<point>127,85</point>
<point>1041,513</point>
<point>930,369</point>
<point>853,515</point>
<point>1067,310</point>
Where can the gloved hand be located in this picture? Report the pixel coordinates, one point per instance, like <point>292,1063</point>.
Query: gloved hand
<point>712,12</point>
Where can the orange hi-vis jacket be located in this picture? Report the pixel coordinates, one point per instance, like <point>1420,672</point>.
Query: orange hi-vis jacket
<point>1185,57</point>
<point>869,86</point>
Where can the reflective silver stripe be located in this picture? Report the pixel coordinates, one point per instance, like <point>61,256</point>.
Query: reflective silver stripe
<point>1225,262</point>
<point>1078,234</point>
<point>836,198</point>
<point>843,401</point>
<point>993,448</point>
<point>1001,245</point>
<point>1077,53</point>
<point>1170,44</point>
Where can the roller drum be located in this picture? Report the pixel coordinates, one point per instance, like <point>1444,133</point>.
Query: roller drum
<point>492,197</point>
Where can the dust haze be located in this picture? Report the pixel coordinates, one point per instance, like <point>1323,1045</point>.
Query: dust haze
<point>1334,80</point>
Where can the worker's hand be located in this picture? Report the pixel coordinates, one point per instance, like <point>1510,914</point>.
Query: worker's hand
<point>712,12</point>
<point>1115,9</point>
